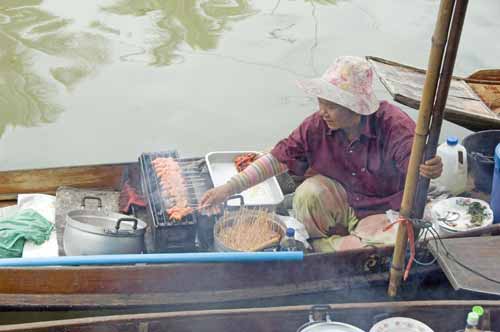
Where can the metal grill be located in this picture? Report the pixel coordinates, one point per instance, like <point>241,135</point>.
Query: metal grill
<point>197,182</point>
<point>174,235</point>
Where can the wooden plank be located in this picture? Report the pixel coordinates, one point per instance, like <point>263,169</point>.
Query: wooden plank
<point>460,257</point>
<point>158,299</point>
<point>187,277</point>
<point>286,318</point>
<point>490,94</point>
<point>48,180</point>
<point>463,105</point>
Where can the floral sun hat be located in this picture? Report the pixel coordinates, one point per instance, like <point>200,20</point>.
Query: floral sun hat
<point>348,82</point>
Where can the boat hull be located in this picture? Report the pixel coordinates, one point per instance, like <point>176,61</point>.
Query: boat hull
<point>441,316</point>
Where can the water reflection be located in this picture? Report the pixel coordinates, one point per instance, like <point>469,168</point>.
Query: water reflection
<point>43,56</point>
<point>37,51</point>
<point>197,23</point>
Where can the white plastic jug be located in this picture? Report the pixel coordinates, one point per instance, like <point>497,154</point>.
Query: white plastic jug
<point>454,157</point>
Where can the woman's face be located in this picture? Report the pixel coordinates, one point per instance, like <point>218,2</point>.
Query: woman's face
<point>336,116</point>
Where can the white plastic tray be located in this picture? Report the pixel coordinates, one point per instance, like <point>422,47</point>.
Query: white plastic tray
<point>221,168</point>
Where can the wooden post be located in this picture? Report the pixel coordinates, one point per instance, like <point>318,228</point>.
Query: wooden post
<point>439,39</point>
<point>457,24</point>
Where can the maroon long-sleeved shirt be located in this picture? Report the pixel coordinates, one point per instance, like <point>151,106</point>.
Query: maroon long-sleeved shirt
<point>372,168</point>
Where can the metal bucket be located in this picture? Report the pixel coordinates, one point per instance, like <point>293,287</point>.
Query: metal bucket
<point>480,148</point>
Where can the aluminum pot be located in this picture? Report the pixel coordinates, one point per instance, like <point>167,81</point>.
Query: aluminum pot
<point>325,324</point>
<point>97,232</point>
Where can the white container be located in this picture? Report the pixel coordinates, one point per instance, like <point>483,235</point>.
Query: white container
<point>454,157</point>
<point>221,167</point>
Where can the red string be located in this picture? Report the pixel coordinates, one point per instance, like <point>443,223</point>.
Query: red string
<point>411,237</point>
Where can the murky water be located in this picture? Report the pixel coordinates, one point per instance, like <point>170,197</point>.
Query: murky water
<point>89,81</point>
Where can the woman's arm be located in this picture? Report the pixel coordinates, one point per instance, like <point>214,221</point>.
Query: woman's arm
<point>260,170</point>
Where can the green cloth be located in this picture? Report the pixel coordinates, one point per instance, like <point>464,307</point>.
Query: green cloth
<point>26,225</point>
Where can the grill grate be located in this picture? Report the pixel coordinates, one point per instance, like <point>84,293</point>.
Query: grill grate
<point>197,180</point>
<point>174,235</point>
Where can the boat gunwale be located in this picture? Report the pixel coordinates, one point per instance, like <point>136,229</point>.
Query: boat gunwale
<point>397,306</point>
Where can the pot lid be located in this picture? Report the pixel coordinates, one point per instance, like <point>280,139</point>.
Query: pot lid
<point>329,327</point>
<point>108,223</point>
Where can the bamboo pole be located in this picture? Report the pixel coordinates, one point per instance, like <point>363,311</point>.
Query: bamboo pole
<point>439,39</point>
<point>457,24</point>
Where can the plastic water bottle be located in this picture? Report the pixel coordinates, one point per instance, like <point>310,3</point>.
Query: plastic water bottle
<point>484,318</point>
<point>472,322</point>
<point>495,192</point>
<point>289,243</point>
<point>454,157</point>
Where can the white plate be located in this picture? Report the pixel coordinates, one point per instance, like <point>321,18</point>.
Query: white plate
<point>399,324</point>
<point>450,206</point>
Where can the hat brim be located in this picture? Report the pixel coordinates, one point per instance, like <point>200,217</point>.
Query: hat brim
<point>321,88</point>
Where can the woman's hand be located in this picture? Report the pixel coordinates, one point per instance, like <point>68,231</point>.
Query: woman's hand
<point>215,196</point>
<point>432,168</point>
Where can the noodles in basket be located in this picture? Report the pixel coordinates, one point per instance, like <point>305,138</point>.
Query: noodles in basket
<point>248,230</point>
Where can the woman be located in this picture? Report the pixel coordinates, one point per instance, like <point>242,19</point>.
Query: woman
<point>358,150</point>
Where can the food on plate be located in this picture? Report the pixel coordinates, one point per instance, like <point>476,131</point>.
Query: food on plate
<point>476,210</point>
<point>462,213</point>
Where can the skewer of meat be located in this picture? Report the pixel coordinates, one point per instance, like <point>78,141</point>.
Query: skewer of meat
<point>173,186</point>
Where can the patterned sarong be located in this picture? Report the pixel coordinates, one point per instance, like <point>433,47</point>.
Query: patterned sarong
<point>320,203</point>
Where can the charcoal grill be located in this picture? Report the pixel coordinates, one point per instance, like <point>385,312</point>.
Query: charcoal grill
<point>175,235</point>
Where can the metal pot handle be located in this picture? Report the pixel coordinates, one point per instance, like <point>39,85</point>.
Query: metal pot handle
<point>99,201</point>
<point>242,201</point>
<point>320,309</point>
<point>119,221</point>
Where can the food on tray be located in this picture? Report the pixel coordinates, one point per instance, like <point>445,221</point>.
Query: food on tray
<point>248,230</point>
<point>244,160</point>
<point>173,187</point>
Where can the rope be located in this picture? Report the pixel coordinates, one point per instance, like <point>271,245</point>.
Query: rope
<point>428,228</point>
<point>411,236</point>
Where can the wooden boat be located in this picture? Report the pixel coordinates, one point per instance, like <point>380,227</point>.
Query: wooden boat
<point>97,287</point>
<point>441,316</point>
<point>473,102</point>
